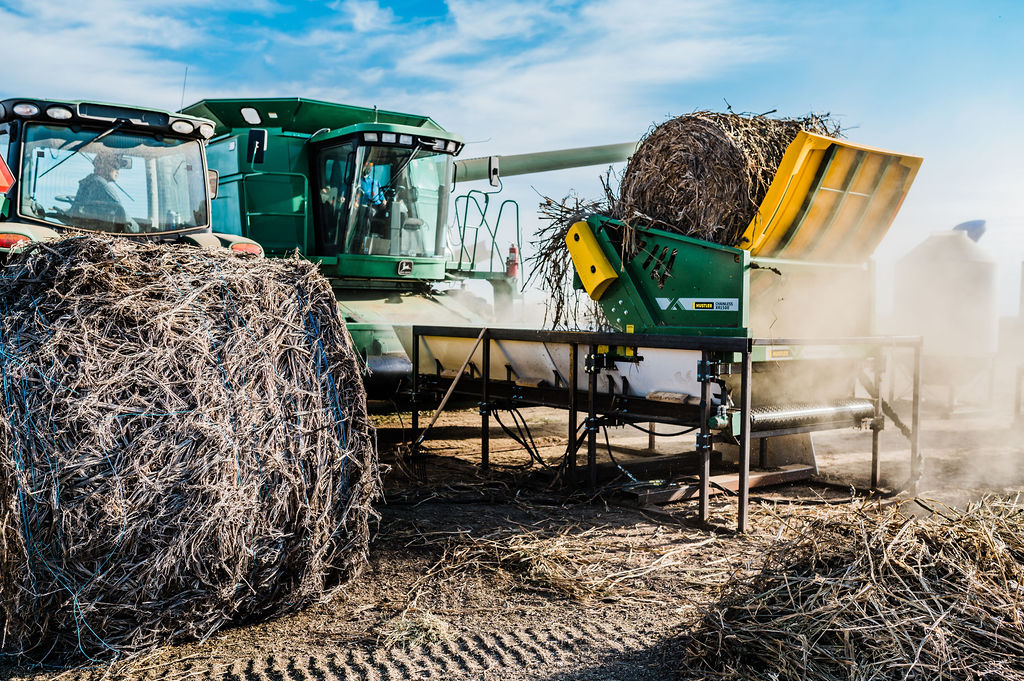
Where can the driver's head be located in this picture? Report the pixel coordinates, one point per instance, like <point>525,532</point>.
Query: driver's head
<point>367,168</point>
<point>107,164</point>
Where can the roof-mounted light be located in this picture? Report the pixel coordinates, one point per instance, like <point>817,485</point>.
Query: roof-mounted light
<point>26,109</point>
<point>59,113</point>
<point>206,130</point>
<point>439,145</point>
<point>388,137</point>
<point>452,147</point>
<point>250,115</point>
<point>183,127</point>
<point>406,140</point>
<point>369,137</point>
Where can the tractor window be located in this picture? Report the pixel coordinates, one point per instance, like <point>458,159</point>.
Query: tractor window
<point>121,182</point>
<point>4,142</point>
<point>334,168</point>
<point>399,202</point>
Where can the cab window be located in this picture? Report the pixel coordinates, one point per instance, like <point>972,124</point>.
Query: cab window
<point>334,171</point>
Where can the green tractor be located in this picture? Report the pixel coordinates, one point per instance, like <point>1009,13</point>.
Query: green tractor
<point>104,168</point>
<point>366,193</point>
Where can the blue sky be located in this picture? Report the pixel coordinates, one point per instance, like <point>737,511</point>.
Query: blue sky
<point>939,79</point>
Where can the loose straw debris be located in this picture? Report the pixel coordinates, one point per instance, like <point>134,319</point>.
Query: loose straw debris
<point>183,444</point>
<point>889,596</point>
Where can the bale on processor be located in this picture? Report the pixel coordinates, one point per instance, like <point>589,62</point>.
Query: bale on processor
<point>183,444</point>
<point>704,174</point>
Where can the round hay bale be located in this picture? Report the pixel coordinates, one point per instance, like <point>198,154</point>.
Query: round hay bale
<point>183,444</point>
<point>704,174</point>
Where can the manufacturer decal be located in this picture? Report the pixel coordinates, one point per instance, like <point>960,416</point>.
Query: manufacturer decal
<point>404,268</point>
<point>688,304</point>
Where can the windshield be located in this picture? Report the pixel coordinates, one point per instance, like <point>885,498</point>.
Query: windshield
<point>384,200</point>
<point>122,182</point>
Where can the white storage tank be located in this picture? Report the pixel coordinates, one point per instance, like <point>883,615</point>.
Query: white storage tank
<point>945,291</point>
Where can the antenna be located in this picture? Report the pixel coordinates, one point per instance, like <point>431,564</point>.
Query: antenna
<point>374,113</point>
<point>183,83</point>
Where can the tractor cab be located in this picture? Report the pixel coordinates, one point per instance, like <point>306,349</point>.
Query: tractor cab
<point>93,167</point>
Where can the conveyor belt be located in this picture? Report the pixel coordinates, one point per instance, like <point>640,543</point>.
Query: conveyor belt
<point>798,415</point>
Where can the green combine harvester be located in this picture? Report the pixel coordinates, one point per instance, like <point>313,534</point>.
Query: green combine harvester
<point>106,168</point>
<point>367,193</point>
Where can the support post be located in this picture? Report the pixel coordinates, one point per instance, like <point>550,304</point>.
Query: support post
<point>485,406</point>
<point>415,390</point>
<point>592,420</point>
<point>704,438</point>
<point>574,365</point>
<point>1017,394</point>
<point>744,481</point>
<point>652,437</point>
<point>876,425</point>
<point>915,424</point>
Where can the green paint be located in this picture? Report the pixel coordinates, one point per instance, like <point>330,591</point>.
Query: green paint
<point>675,285</point>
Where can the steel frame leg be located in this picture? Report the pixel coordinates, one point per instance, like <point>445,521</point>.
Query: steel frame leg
<point>875,423</point>
<point>744,481</point>
<point>916,467</point>
<point>415,391</point>
<point>703,442</point>
<point>592,424</point>
<point>485,408</point>
<point>573,415</point>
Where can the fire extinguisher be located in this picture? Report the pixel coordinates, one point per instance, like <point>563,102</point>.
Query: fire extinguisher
<point>512,262</point>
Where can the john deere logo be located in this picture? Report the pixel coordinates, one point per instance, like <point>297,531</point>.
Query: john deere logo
<point>703,305</point>
<point>404,268</point>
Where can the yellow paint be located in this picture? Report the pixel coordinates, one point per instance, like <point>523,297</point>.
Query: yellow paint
<point>855,219</point>
<point>591,265</point>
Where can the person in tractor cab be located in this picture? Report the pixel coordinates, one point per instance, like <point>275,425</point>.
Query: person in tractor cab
<point>96,200</point>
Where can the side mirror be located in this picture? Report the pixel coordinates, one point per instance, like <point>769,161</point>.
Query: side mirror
<point>257,146</point>
<point>6,177</point>
<point>492,171</point>
<point>212,182</point>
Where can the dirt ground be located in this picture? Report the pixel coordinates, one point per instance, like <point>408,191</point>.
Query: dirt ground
<point>499,577</point>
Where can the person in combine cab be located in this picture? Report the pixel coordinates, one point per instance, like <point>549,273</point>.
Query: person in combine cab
<point>96,203</point>
<point>370,193</point>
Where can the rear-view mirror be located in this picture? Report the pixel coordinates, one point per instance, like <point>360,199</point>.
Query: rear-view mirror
<point>212,180</point>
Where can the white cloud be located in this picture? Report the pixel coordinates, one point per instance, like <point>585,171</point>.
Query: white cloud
<point>367,15</point>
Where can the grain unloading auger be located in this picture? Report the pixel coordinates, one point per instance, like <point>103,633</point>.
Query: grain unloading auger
<point>768,339</point>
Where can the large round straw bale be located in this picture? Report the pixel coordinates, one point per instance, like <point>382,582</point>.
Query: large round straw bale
<point>704,174</point>
<point>183,444</point>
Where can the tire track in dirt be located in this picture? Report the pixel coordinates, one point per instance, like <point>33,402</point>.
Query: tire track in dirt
<point>473,655</point>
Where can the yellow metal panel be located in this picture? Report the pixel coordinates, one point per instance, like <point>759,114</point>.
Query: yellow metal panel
<point>830,201</point>
<point>593,267</point>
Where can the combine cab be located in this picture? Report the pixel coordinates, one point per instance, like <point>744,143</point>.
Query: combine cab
<point>91,167</point>
<point>366,193</point>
